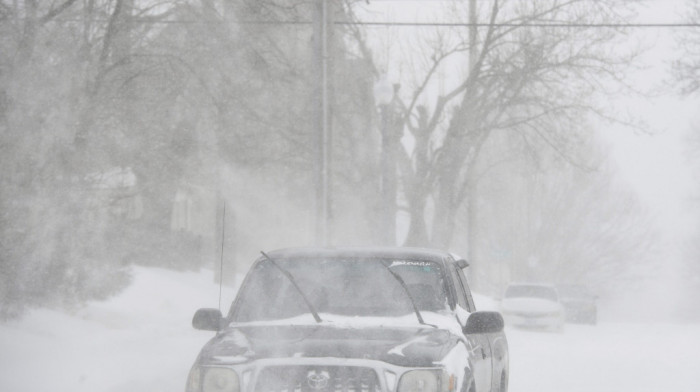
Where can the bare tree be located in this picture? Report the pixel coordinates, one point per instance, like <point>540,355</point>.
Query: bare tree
<point>562,224</point>
<point>687,68</point>
<point>534,71</point>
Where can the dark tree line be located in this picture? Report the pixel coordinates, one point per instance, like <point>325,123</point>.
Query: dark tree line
<point>125,125</point>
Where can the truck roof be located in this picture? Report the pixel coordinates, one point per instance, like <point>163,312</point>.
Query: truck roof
<point>362,252</point>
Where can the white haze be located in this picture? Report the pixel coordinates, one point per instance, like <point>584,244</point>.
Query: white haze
<point>658,165</point>
<point>648,338</point>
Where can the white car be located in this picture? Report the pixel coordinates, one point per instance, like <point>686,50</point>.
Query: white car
<point>532,305</point>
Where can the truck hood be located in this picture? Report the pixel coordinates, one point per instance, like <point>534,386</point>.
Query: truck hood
<point>402,346</point>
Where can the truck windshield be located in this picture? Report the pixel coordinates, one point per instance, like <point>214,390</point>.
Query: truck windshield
<point>348,287</point>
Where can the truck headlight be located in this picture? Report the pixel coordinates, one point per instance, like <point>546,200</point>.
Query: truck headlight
<point>426,381</point>
<point>218,380</point>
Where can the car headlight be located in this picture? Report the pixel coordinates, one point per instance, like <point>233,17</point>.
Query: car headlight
<point>194,379</point>
<point>426,381</point>
<point>212,380</point>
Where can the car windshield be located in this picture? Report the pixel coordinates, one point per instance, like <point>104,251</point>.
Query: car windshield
<point>573,292</point>
<point>348,287</point>
<point>531,291</point>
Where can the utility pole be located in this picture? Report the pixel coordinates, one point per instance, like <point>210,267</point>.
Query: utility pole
<point>472,34</point>
<point>322,21</point>
<point>471,175</point>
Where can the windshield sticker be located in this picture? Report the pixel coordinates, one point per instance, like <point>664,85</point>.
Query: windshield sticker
<point>414,263</point>
<point>426,266</point>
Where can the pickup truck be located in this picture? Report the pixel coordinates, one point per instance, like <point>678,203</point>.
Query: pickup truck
<point>352,320</point>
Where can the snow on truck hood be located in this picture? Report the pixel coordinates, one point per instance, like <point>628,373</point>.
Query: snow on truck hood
<point>400,341</point>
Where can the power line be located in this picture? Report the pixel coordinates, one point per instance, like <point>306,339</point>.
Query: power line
<point>408,24</point>
<point>558,25</point>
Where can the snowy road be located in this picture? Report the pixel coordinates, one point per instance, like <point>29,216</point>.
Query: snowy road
<point>142,341</point>
<point>607,357</point>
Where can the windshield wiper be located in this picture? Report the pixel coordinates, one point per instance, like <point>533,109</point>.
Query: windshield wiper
<point>296,286</point>
<point>408,293</point>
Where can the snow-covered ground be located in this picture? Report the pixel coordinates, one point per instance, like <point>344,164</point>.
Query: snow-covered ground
<point>142,340</point>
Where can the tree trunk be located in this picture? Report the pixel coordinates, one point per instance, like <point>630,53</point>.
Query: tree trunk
<point>455,151</point>
<point>445,211</point>
<point>26,44</point>
<point>418,229</point>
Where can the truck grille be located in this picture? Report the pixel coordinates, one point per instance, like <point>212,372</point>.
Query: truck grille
<point>317,379</point>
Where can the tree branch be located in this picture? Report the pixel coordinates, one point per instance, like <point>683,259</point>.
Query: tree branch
<point>56,11</point>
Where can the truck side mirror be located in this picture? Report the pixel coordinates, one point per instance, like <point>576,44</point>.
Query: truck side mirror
<point>462,263</point>
<point>484,322</point>
<point>207,319</point>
